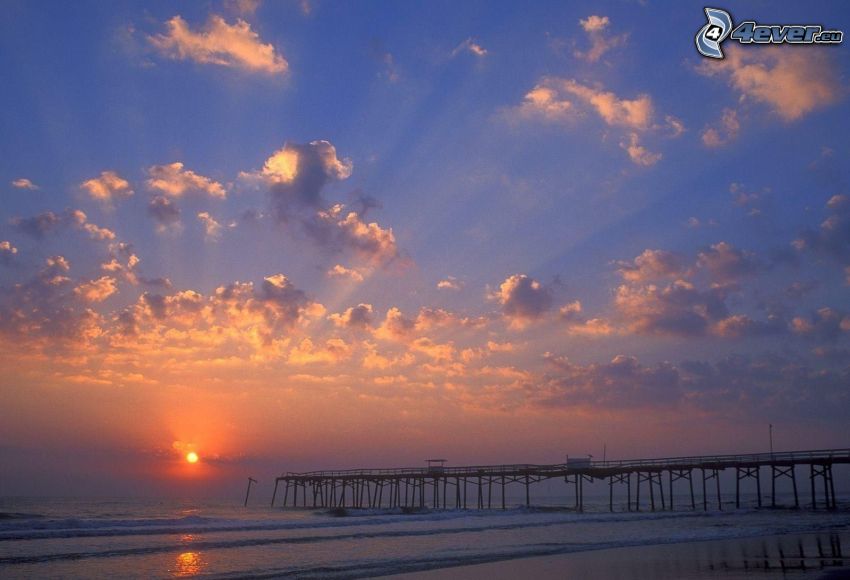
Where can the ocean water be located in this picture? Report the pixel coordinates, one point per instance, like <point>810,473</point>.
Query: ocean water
<point>68,538</point>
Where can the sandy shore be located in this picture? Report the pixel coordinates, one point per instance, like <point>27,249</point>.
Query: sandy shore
<point>820,555</point>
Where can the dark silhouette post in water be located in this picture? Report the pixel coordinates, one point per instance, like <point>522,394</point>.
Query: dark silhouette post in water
<point>247,493</point>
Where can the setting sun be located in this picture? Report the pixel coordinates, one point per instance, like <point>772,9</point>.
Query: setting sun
<point>192,457</point>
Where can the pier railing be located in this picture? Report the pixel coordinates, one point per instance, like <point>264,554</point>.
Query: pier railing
<point>583,464</point>
<point>433,485</point>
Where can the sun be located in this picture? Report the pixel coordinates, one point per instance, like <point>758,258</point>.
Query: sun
<point>192,457</point>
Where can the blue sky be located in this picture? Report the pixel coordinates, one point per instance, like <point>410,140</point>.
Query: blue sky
<point>621,227</point>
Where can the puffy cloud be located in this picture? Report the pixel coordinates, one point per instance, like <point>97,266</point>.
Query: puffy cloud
<point>678,308</point>
<point>48,222</point>
<point>523,299</point>
<point>449,283</point>
<point>632,113</point>
<point>556,99</point>
<point>653,265</point>
<point>791,82</point>
<point>340,271</point>
<point>360,316</point>
<point>297,173</point>
<point>212,228</point>
<point>396,326</point>
<point>7,252</point>
<point>622,382</point>
<point>24,183</point>
<point>43,309</point>
<point>727,264</point>
<point>231,45</point>
<point>595,26</point>
<point>825,324</point>
<point>733,385</point>
<point>97,290</point>
<point>469,45</point>
<point>832,238</point>
<point>374,243</point>
<point>726,131</point>
<point>639,154</point>
<point>243,7</point>
<point>333,351</point>
<point>576,323</point>
<point>107,187</point>
<point>173,180</point>
<point>545,102</point>
<point>164,211</point>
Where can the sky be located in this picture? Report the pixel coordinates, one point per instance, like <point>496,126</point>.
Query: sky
<point>310,234</point>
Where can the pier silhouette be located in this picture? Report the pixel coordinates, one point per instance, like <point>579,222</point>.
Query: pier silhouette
<point>437,486</point>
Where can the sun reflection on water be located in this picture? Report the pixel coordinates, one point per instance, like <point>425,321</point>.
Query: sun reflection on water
<point>188,564</point>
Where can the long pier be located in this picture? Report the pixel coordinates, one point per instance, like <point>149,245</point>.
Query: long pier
<point>437,486</point>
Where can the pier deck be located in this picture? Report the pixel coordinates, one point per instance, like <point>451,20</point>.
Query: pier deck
<point>440,486</point>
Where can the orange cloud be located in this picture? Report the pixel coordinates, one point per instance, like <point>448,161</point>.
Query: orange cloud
<point>220,43</point>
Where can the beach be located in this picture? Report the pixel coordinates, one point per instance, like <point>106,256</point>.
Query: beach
<point>789,556</point>
<point>64,538</point>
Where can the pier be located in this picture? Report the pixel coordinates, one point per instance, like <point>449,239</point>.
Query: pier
<point>643,481</point>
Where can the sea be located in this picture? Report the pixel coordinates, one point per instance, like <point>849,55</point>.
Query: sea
<point>167,538</point>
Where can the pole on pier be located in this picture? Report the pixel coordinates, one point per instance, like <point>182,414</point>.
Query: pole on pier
<point>274,493</point>
<point>691,484</point>
<point>250,481</point>
<point>503,492</point>
<point>738,488</point>
<point>527,492</point>
<point>670,473</point>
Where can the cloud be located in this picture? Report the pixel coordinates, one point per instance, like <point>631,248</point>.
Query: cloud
<point>7,252</point>
<point>793,83</point>
<point>24,183</point>
<point>243,7</point>
<point>108,187</point>
<point>43,309</point>
<point>231,45</point>
<point>558,100</point>
<point>396,326</point>
<point>727,264</point>
<point>621,383</point>
<point>173,180</point>
<point>653,265</point>
<point>360,316</point>
<point>832,238</point>
<point>297,173</point>
<point>469,45</point>
<point>736,385</point>
<point>164,211</point>
<point>678,308</point>
<point>576,323</point>
<point>449,283</point>
<point>523,299</point>
<point>97,290</point>
<point>340,271</point>
<point>335,350</point>
<point>600,43</point>
<point>212,229</point>
<point>48,222</point>
<point>726,131</point>
<point>826,324</point>
<point>639,154</point>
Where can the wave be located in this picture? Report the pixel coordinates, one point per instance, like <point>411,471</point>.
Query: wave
<point>483,526</point>
<point>82,528</point>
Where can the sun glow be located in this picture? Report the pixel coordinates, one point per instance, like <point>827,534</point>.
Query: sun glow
<point>192,457</point>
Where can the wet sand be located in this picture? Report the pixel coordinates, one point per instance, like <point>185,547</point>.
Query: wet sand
<point>817,556</point>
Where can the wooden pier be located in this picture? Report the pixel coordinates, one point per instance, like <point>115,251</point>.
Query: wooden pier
<point>437,486</point>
